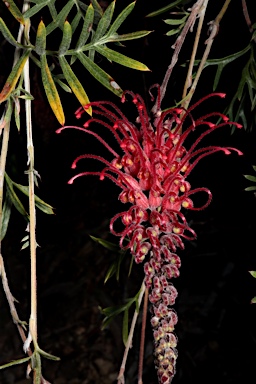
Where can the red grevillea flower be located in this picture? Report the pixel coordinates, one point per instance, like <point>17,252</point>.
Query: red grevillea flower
<point>152,173</point>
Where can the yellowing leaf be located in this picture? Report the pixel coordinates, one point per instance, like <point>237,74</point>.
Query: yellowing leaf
<point>15,11</point>
<point>121,59</point>
<point>14,77</point>
<point>51,91</point>
<point>75,84</point>
<point>40,38</point>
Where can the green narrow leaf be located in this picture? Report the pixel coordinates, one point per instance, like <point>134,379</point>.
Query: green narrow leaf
<point>91,54</point>
<point>75,84</point>
<point>106,244</point>
<point>14,76</point>
<point>253,300</point>
<point>48,355</point>
<point>110,272</point>
<point>168,7</point>
<point>51,91</point>
<point>52,9</point>
<point>137,301</point>
<point>14,198</point>
<point>35,9</point>
<point>121,59</point>
<point>102,27</point>
<point>130,266</point>
<point>15,362</point>
<point>75,21</point>
<point>172,32</point>
<point>7,34</point>
<point>87,25</point>
<point>125,326</point>
<point>175,21</point>
<point>249,189</point>
<point>42,205</point>
<point>253,273</point>
<point>104,22</point>
<point>64,86</point>
<point>17,113</point>
<point>120,18</point>
<point>114,268</point>
<point>127,36</point>
<point>15,11</point>
<point>61,17</point>
<point>66,38</point>
<point>100,75</point>
<point>40,39</point>
<point>86,30</point>
<point>217,76</point>
<point>25,245</point>
<point>226,60</point>
<point>111,312</point>
<point>250,177</point>
<point>97,7</point>
<point>6,214</point>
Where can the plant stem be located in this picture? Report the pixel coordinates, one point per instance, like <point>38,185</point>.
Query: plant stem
<point>32,212</point>
<point>4,149</point>
<point>120,378</point>
<point>195,11</point>
<point>209,42</point>
<point>246,15</point>
<point>193,55</point>
<point>142,339</point>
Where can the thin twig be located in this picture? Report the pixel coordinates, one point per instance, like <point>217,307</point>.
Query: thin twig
<point>11,300</point>
<point>4,149</point>
<point>142,338</point>
<point>195,46</point>
<point>195,10</point>
<point>120,378</point>
<point>214,30</point>
<point>246,15</point>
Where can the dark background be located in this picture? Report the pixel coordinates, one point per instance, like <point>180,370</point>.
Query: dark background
<point>216,328</point>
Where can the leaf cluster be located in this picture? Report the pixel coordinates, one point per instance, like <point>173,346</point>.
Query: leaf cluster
<point>12,199</point>
<point>94,28</point>
<point>245,94</point>
<point>111,312</point>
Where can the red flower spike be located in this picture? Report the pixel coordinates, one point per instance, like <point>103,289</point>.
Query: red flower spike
<point>152,173</point>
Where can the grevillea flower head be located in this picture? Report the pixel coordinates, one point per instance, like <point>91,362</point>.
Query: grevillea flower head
<point>152,172</point>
